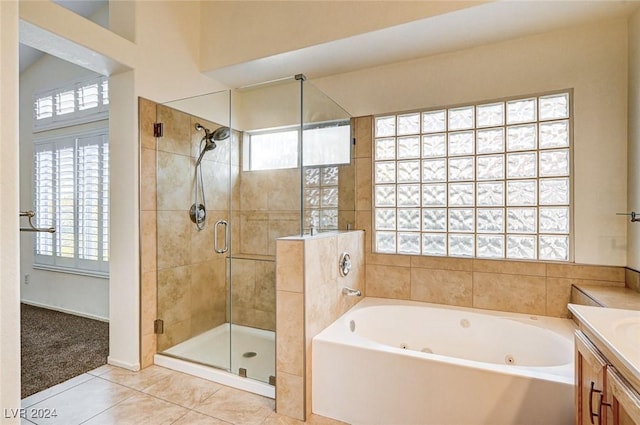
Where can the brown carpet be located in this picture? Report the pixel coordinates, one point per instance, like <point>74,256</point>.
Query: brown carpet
<point>58,346</point>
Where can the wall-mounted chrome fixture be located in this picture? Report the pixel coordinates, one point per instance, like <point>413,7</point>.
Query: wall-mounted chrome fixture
<point>635,217</point>
<point>350,292</point>
<point>32,227</point>
<point>345,264</point>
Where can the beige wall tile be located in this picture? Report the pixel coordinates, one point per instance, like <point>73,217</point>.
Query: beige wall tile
<point>174,334</point>
<point>177,131</point>
<point>363,184</point>
<point>201,241</point>
<point>321,308</point>
<point>290,252</point>
<point>596,282</point>
<point>148,302</point>
<point>632,279</point>
<point>579,297</point>
<point>254,195</point>
<point>290,267</point>
<point>173,239</point>
<point>529,268</point>
<point>363,129</point>
<point>146,117</point>
<point>265,285</point>
<point>243,278</point>
<point>174,297</point>
<point>148,261</point>
<point>577,271</point>
<point>520,294</point>
<point>442,286</point>
<point>321,261</point>
<point>284,190</point>
<point>148,179</point>
<point>281,225</point>
<point>290,333</point>
<point>254,233</point>
<point>363,222</point>
<point>558,296</point>
<point>389,260</point>
<point>388,282</point>
<point>442,263</point>
<point>174,177</point>
<point>215,181</point>
<point>290,395</point>
<point>148,349</point>
<point>347,187</point>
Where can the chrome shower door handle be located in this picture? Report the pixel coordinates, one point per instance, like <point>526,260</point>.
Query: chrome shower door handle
<point>226,237</point>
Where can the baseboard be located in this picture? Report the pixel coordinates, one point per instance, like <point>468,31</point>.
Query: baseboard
<point>64,310</point>
<point>125,365</point>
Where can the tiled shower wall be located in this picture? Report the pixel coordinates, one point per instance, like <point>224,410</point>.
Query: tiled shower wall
<point>519,286</point>
<point>266,208</point>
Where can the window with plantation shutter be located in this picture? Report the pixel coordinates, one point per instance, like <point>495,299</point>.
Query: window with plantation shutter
<point>74,103</point>
<point>71,188</point>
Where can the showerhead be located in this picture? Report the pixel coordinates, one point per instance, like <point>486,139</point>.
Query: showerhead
<point>221,133</point>
<point>210,138</point>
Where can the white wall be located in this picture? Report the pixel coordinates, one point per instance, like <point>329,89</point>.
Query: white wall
<point>590,59</point>
<point>82,295</point>
<point>9,207</point>
<point>633,189</point>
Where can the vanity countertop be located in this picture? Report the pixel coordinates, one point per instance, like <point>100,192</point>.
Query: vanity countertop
<point>612,296</point>
<point>617,329</point>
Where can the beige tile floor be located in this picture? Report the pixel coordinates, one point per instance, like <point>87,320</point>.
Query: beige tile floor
<point>110,395</point>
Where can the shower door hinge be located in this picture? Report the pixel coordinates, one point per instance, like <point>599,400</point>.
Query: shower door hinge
<point>158,326</point>
<point>158,129</point>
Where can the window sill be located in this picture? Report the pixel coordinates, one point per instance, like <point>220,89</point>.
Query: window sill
<point>57,269</point>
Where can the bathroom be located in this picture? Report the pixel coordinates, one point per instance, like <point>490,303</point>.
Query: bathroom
<point>603,182</point>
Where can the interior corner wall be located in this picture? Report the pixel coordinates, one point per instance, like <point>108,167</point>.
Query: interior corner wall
<point>591,59</point>
<point>9,219</point>
<point>168,41</point>
<point>633,179</point>
<point>71,293</point>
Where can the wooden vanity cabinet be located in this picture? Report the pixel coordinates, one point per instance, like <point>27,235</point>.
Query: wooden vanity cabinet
<point>591,380</point>
<point>603,396</point>
<point>623,401</point>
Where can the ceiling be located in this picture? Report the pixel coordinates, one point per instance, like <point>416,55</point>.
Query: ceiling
<point>86,8</point>
<point>486,23</point>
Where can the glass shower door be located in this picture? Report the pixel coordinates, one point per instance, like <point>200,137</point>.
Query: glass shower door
<point>193,176</point>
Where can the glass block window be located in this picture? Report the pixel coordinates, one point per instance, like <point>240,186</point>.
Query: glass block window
<point>486,180</point>
<point>321,197</point>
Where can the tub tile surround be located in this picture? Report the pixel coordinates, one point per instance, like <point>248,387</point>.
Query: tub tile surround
<point>309,298</point>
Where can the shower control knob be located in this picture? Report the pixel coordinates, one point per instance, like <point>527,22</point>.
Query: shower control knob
<point>345,264</point>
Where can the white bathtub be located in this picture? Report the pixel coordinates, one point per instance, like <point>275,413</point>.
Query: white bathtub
<point>398,362</point>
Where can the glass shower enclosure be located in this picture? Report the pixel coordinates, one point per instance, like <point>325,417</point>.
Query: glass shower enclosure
<point>231,179</point>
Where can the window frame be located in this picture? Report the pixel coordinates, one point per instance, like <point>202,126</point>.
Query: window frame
<point>247,144</point>
<point>475,180</point>
<point>54,261</point>
<point>78,115</point>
